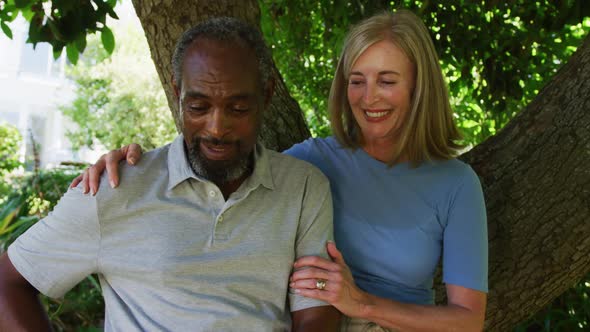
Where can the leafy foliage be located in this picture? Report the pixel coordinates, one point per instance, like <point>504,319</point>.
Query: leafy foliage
<point>119,99</point>
<point>495,55</point>
<point>28,203</point>
<point>303,35</point>
<point>569,312</point>
<point>36,195</point>
<point>62,23</point>
<point>10,140</point>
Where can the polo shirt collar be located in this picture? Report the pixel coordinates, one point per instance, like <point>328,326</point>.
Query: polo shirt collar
<point>179,168</point>
<point>262,173</point>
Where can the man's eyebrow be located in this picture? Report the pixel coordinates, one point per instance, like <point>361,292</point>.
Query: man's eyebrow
<point>200,95</point>
<point>195,94</point>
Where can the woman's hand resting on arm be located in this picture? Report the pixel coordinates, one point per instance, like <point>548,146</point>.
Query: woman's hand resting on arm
<point>465,309</point>
<point>340,289</point>
<point>90,178</point>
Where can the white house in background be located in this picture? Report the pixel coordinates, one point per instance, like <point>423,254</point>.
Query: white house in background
<point>32,86</point>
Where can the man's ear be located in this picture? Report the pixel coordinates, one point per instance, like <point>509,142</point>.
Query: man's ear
<point>269,89</point>
<point>175,87</point>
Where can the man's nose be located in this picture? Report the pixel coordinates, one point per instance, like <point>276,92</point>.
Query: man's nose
<point>218,124</point>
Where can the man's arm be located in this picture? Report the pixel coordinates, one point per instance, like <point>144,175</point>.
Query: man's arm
<point>324,318</point>
<point>19,303</point>
<point>51,257</point>
<point>315,230</point>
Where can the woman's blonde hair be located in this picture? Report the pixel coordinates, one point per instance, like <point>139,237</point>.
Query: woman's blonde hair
<point>428,131</point>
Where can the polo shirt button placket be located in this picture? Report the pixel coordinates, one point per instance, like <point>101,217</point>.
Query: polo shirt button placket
<point>220,233</point>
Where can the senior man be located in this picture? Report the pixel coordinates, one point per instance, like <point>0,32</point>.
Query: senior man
<point>203,233</point>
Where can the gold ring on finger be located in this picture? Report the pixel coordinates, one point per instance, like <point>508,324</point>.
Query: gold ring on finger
<point>320,284</point>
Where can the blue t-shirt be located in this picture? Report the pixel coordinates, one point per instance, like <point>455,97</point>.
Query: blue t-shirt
<point>392,224</point>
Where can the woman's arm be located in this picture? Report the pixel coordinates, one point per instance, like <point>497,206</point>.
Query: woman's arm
<point>110,161</point>
<point>465,309</point>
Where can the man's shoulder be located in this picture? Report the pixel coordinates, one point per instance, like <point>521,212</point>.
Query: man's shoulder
<point>150,159</point>
<point>152,165</point>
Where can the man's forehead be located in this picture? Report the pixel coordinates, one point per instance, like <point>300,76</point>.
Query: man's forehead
<point>220,68</point>
<point>232,49</point>
<point>222,56</point>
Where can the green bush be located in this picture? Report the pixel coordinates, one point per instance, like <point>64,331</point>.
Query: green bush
<point>119,99</point>
<point>10,140</point>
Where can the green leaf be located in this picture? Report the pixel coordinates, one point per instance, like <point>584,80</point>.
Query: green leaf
<point>108,40</point>
<point>55,30</point>
<point>27,13</point>
<point>112,13</point>
<point>108,8</point>
<point>9,211</point>
<point>81,43</point>
<point>9,13</point>
<point>57,52</point>
<point>72,52</point>
<point>22,3</point>
<point>6,29</point>
<point>19,222</point>
<point>35,28</point>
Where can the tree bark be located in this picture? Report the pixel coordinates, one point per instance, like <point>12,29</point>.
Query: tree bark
<point>164,21</point>
<point>535,173</point>
<point>536,179</point>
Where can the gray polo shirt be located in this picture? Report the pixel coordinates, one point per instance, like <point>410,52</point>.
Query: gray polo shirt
<point>173,255</point>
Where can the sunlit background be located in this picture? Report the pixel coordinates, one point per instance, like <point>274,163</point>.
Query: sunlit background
<point>496,57</point>
<point>35,88</point>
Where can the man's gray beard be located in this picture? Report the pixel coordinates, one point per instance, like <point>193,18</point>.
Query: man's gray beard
<point>218,171</point>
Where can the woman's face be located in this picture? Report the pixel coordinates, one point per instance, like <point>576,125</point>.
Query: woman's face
<point>380,87</point>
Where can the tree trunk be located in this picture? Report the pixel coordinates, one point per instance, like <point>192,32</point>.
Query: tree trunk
<point>165,20</point>
<point>536,179</point>
<point>535,172</point>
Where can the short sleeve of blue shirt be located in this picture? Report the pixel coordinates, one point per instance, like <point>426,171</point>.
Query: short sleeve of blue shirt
<point>465,249</point>
<point>300,150</point>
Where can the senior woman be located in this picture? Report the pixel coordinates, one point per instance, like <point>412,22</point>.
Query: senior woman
<point>402,201</point>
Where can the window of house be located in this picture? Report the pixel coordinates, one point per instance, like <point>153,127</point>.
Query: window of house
<point>34,140</point>
<point>39,61</point>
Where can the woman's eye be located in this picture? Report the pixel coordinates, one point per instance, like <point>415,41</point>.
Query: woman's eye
<point>388,82</point>
<point>355,82</point>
